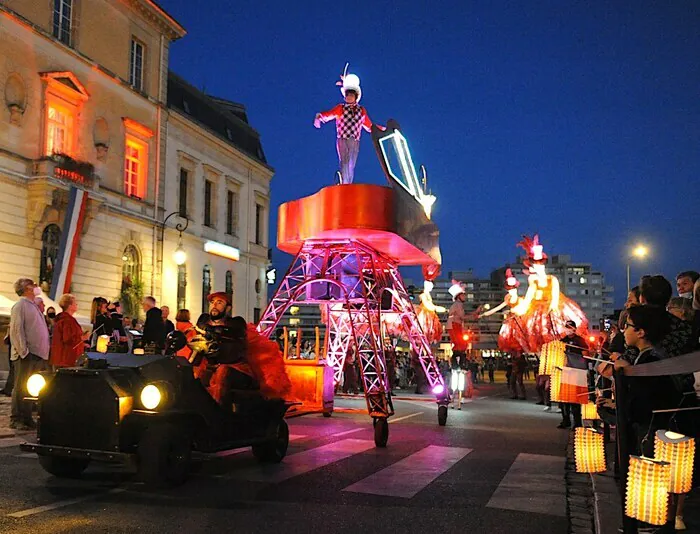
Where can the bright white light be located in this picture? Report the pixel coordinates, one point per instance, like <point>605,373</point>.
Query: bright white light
<point>35,384</point>
<point>219,249</point>
<point>640,251</point>
<point>179,256</point>
<point>271,276</point>
<point>150,397</point>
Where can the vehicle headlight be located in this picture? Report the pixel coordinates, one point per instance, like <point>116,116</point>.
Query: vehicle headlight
<point>35,384</point>
<point>150,397</point>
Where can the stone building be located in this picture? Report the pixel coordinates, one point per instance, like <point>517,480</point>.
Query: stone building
<point>83,105</point>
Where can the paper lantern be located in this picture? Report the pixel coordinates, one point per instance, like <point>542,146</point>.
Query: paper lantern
<point>589,412</point>
<point>679,451</point>
<point>648,483</point>
<point>552,355</point>
<point>589,451</point>
<point>555,385</point>
<point>102,343</point>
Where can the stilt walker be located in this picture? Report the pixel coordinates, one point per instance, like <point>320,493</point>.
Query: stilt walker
<point>458,338</point>
<point>348,242</point>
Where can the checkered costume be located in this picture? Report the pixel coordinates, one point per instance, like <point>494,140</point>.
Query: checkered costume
<point>349,120</point>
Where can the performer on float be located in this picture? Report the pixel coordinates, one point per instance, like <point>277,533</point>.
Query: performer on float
<point>544,311</point>
<point>427,311</point>
<point>350,118</point>
<point>461,380</point>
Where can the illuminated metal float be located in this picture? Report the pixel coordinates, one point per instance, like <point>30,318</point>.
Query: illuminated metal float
<point>348,242</point>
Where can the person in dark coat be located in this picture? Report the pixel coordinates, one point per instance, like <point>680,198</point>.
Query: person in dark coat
<point>153,328</point>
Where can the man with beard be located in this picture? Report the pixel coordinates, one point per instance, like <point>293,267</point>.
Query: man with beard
<point>236,356</point>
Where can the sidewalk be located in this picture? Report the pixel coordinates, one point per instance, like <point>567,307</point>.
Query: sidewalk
<point>594,503</point>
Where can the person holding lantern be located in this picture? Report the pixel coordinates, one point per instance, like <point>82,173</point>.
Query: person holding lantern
<point>350,118</point>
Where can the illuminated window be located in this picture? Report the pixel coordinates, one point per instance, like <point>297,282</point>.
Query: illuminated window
<point>135,167</point>
<point>582,280</point>
<point>136,65</point>
<point>62,16</point>
<point>59,129</point>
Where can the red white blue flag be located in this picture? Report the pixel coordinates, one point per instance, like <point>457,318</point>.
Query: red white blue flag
<point>68,249</point>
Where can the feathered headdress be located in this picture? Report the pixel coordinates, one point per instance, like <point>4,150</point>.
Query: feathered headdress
<point>511,281</point>
<point>532,246</point>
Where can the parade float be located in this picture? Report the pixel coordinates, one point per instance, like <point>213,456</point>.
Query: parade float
<point>348,242</point>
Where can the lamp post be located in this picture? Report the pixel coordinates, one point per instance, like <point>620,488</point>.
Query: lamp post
<point>639,252</point>
<point>179,256</point>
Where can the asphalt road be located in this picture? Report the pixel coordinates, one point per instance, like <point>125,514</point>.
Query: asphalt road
<point>498,466</point>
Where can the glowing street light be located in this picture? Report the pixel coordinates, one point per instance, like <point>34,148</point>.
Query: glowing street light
<point>179,256</point>
<point>639,252</point>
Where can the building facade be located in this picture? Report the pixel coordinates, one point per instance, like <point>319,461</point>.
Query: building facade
<point>218,185</point>
<point>84,108</point>
<point>84,87</point>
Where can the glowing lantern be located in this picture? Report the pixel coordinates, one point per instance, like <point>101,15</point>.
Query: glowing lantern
<point>679,451</point>
<point>648,483</point>
<point>102,343</point>
<point>553,354</point>
<point>589,411</point>
<point>589,451</point>
<point>555,385</point>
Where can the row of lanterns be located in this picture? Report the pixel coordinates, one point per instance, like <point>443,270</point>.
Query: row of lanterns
<point>649,480</point>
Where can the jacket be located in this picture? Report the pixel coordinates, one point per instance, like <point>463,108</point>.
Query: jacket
<point>67,343</point>
<point>186,328</point>
<point>154,328</point>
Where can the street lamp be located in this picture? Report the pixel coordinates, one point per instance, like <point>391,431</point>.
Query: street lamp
<point>639,252</point>
<point>179,256</point>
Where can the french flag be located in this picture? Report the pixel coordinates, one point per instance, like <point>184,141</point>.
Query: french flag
<point>68,250</point>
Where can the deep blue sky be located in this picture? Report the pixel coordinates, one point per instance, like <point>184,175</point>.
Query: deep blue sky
<point>578,120</point>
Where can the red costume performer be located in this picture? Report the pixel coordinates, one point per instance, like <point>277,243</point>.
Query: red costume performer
<point>455,319</point>
<point>244,359</point>
<point>541,315</point>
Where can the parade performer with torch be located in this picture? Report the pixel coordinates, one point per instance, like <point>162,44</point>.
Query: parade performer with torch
<point>350,118</point>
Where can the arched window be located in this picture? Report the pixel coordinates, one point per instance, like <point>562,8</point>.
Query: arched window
<point>206,288</point>
<point>50,242</point>
<point>181,287</point>
<point>229,286</point>
<point>131,266</point>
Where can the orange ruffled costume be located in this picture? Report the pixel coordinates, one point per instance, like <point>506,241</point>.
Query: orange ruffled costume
<point>540,325</point>
<point>265,364</point>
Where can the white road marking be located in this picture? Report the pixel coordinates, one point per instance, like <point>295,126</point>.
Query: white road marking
<point>349,432</point>
<point>232,452</point>
<point>407,477</point>
<point>404,417</point>
<point>62,504</point>
<point>534,483</point>
<point>303,462</point>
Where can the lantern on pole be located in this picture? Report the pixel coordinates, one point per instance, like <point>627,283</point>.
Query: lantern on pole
<point>648,483</point>
<point>589,451</point>
<point>679,451</point>
<point>589,412</point>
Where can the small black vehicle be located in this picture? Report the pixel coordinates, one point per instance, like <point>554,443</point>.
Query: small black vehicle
<point>146,411</point>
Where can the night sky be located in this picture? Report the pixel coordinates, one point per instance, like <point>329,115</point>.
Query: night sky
<point>577,120</point>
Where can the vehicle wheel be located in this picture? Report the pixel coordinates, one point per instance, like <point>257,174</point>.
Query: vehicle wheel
<point>63,467</point>
<point>442,415</point>
<point>381,431</point>
<point>165,455</point>
<point>274,450</point>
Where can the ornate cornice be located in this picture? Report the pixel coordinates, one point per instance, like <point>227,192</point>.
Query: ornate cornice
<point>157,16</point>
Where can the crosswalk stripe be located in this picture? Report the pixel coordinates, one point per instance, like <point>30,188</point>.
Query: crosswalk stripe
<point>232,452</point>
<point>303,462</point>
<point>407,477</point>
<point>532,484</point>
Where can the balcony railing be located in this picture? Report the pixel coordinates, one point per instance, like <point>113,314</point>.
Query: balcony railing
<point>66,168</point>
